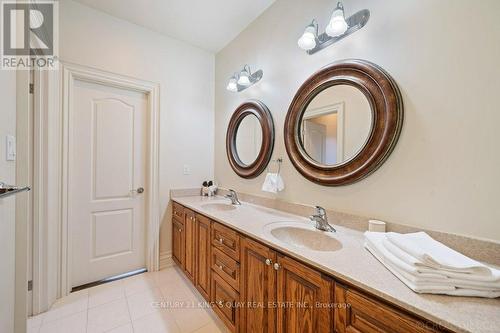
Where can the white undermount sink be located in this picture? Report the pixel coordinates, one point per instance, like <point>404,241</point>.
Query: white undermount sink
<point>218,206</point>
<point>303,236</point>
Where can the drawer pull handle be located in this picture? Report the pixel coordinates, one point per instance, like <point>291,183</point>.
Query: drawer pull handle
<point>180,230</point>
<point>221,303</point>
<point>276,266</point>
<point>221,267</point>
<point>269,262</point>
<point>221,240</point>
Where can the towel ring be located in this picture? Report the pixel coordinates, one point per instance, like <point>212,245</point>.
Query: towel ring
<point>279,161</point>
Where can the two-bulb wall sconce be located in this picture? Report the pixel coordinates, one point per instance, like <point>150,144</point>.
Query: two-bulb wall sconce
<point>244,79</point>
<point>339,27</point>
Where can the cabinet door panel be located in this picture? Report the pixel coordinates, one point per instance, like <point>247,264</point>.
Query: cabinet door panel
<point>300,290</point>
<point>190,251</point>
<point>366,315</point>
<point>226,302</point>
<point>203,256</point>
<point>257,288</point>
<point>178,242</point>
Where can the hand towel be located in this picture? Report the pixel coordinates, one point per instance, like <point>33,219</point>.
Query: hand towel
<point>434,254</point>
<point>273,183</point>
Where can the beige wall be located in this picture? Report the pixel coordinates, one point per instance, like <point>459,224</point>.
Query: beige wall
<point>186,76</point>
<point>443,174</point>
<point>7,206</point>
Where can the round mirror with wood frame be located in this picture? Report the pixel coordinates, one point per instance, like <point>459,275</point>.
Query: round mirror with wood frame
<point>250,167</point>
<point>385,101</point>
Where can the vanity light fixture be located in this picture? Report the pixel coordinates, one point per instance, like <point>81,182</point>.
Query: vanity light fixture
<point>233,83</point>
<point>339,27</point>
<point>244,79</point>
<point>308,40</point>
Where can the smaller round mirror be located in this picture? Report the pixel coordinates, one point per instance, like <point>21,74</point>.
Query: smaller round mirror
<point>248,139</point>
<point>335,125</point>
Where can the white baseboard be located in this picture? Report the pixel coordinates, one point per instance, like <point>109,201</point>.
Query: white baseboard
<point>166,259</point>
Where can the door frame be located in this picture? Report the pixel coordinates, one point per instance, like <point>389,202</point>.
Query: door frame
<point>59,158</point>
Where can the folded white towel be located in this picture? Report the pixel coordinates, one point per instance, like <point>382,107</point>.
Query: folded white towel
<point>376,240</point>
<point>427,280</point>
<point>434,254</point>
<point>420,268</point>
<point>433,288</point>
<point>273,183</point>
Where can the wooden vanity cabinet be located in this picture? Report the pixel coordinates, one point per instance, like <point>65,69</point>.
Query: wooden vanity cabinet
<point>226,302</point>
<point>359,313</point>
<point>226,240</point>
<point>178,242</point>
<point>203,256</point>
<point>257,288</point>
<point>304,296</point>
<point>190,248</point>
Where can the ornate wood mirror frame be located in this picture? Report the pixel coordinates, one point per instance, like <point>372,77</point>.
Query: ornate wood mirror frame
<point>261,112</point>
<point>387,118</point>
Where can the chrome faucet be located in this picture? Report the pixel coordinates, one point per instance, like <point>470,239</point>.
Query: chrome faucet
<point>321,220</point>
<point>233,197</point>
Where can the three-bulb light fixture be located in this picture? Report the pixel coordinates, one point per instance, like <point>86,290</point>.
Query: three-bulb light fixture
<point>337,28</point>
<point>244,79</point>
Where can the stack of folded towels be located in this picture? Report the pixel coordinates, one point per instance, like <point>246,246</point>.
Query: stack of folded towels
<point>428,266</point>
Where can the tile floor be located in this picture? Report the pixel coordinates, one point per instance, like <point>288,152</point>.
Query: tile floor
<point>128,306</point>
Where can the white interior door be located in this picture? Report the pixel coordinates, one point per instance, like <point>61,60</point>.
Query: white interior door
<point>107,165</point>
<point>314,139</point>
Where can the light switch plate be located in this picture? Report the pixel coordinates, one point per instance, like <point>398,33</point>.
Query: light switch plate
<point>10,143</point>
<point>186,169</point>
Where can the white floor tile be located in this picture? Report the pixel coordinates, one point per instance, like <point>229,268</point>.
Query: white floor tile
<point>122,329</point>
<point>157,322</point>
<point>210,328</point>
<point>178,292</point>
<point>106,293</point>
<point>136,284</point>
<point>108,316</point>
<point>190,320</point>
<point>75,323</point>
<point>71,304</point>
<point>143,303</point>
<point>128,306</point>
<point>167,276</point>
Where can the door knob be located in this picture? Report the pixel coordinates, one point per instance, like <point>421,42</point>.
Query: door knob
<point>276,266</point>
<point>269,262</point>
<point>140,190</point>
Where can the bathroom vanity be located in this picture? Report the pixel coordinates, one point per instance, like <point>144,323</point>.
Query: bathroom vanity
<point>260,280</point>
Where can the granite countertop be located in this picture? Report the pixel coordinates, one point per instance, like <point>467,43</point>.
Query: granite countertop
<point>355,265</point>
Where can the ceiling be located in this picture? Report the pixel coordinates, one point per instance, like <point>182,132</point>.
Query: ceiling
<point>209,24</point>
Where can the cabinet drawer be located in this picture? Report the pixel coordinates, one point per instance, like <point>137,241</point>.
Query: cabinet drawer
<point>226,267</point>
<point>226,240</point>
<point>360,313</point>
<point>225,300</point>
<point>178,211</point>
